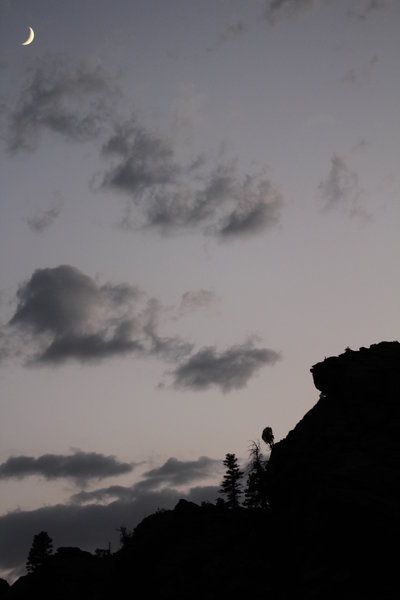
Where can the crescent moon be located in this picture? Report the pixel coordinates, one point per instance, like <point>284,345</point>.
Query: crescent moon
<point>30,38</point>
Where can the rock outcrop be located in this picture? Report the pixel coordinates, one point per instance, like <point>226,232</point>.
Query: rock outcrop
<point>334,481</point>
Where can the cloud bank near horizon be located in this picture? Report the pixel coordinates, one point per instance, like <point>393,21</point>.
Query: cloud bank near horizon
<point>91,519</point>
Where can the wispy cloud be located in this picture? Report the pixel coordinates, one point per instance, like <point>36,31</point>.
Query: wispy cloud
<point>172,197</point>
<point>45,218</point>
<point>195,300</point>
<point>143,160</point>
<point>277,10</point>
<point>360,75</point>
<point>230,32</point>
<point>368,8</point>
<point>341,189</point>
<point>71,101</point>
<point>79,103</point>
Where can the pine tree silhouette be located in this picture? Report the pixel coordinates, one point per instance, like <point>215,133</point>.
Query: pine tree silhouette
<point>41,549</point>
<point>231,487</point>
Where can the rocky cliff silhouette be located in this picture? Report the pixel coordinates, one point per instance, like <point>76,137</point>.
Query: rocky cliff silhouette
<point>334,481</point>
<point>331,529</point>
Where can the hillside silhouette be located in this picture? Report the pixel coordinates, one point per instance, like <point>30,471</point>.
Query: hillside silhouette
<point>327,524</point>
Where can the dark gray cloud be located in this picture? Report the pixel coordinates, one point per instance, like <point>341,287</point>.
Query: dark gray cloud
<point>68,315</point>
<point>90,347</point>
<point>79,466</point>
<point>73,102</point>
<point>185,207</point>
<point>63,314</point>
<point>253,212</point>
<point>171,197</point>
<point>341,189</point>
<point>227,370</point>
<point>176,472</point>
<point>224,204</point>
<point>88,526</point>
<point>45,218</point>
<point>143,160</point>
<point>58,300</point>
<point>173,473</point>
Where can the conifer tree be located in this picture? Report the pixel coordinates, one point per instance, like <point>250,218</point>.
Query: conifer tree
<point>255,492</point>
<point>231,486</point>
<point>41,549</point>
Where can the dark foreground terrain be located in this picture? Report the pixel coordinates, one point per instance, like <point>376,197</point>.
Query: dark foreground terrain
<point>331,529</point>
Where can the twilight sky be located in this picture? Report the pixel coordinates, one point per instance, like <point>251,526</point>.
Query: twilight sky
<point>199,201</point>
